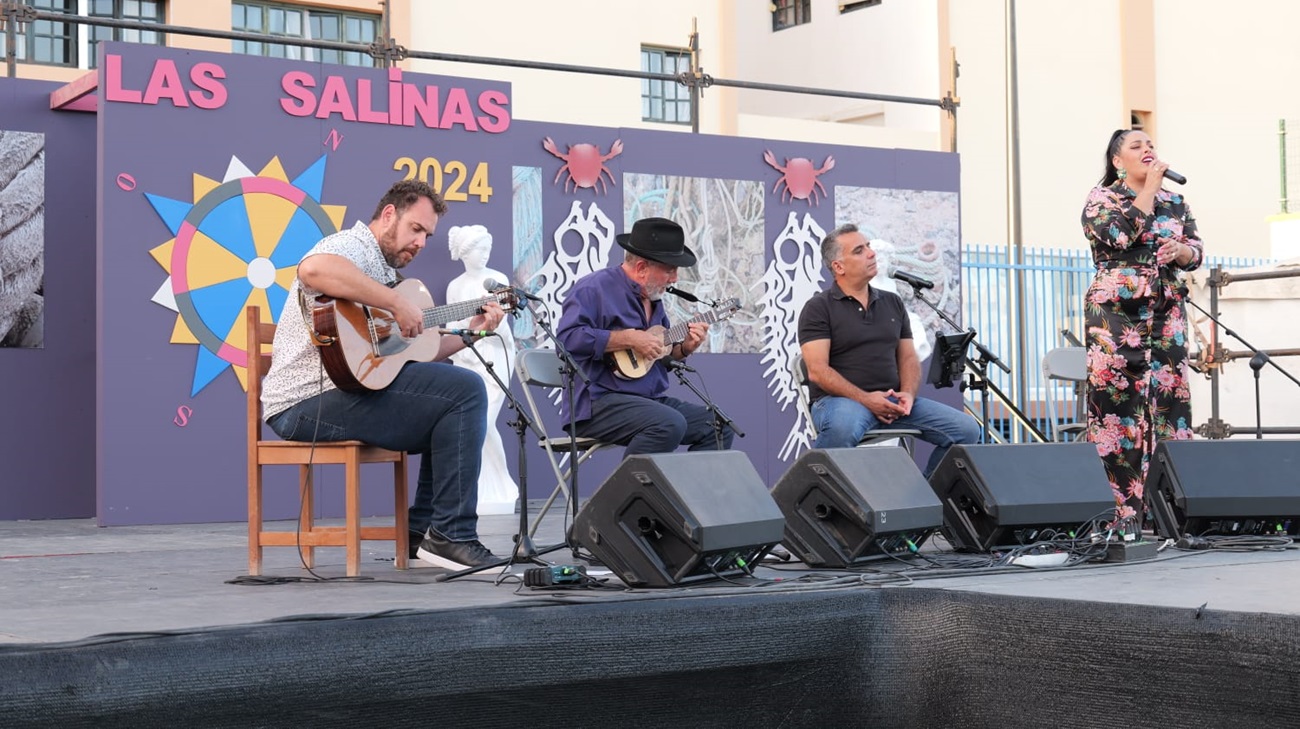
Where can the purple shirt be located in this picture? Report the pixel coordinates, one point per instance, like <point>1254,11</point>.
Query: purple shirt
<point>601,302</point>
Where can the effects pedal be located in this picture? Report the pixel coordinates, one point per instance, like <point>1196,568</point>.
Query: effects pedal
<point>555,575</point>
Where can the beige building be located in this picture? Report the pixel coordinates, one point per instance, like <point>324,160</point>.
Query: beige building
<point>1205,79</point>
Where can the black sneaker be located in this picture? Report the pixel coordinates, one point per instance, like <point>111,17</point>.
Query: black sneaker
<point>454,555</point>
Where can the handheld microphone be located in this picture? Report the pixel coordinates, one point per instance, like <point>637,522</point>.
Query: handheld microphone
<point>683,294</point>
<point>466,332</point>
<point>1175,177</point>
<point>493,286</point>
<point>916,281</point>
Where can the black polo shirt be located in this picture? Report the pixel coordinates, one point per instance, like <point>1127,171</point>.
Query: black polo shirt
<point>864,344</point>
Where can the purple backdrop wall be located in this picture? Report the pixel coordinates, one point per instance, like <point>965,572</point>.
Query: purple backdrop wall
<point>47,395</point>
<point>281,141</point>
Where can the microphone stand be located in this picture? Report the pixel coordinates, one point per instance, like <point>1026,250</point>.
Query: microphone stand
<point>720,419</point>
<point>524,551</point>
<point>978,378</point>
<point>1257,362</point>
<point>569,370</point>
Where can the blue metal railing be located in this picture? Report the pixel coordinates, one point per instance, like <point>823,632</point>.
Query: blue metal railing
<point>1055,283</point>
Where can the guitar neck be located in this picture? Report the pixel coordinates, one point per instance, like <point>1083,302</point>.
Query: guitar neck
<point>440,315</point>
<point>678,332</point>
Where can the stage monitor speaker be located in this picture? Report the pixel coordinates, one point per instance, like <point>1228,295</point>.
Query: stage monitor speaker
<point>1006,495</point>
<point>1225,487</point>
<point>678,518</point>
<point>843,506</point>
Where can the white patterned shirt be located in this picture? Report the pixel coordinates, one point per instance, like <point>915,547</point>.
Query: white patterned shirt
<point>296,373</point>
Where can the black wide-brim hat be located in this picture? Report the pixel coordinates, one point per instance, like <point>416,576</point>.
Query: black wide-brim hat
<point>660,240</point>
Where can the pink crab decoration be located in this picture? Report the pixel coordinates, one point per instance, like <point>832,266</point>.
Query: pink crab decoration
<point>585,164</point>
<point>799,177</point>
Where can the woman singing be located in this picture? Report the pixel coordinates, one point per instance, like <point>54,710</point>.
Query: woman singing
<point>1141,237</point>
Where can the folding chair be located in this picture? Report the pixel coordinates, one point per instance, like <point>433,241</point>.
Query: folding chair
<point>1066,364</point>
<point>540,370</point>
<point>875,436</point>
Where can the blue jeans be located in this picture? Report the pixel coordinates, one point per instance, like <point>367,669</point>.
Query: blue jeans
<point>434,409</point>
<point>841,423</point>
<point>651,425</point>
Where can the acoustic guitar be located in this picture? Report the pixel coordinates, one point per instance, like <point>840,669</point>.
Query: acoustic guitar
<point>627,365</point>
<point>363,348</point>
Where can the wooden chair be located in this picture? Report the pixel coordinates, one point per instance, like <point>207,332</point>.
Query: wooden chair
<point>348,453</point>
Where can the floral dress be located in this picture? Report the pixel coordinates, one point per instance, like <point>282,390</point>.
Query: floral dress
<point>1136,325</point>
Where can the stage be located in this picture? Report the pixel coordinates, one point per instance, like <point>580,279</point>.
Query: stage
<point>138,626</point>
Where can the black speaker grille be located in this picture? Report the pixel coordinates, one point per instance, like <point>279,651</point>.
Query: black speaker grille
<point>846,505</point>
<point>1003,495</point>
<point>676,518</point>
<point>1225,487</point>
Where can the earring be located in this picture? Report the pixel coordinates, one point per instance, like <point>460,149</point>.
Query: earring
<point>1121,173</point>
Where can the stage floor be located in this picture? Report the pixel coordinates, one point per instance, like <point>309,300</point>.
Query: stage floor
<point>67,580</point>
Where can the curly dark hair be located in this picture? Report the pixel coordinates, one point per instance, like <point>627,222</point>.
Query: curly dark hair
<point>403,195</point>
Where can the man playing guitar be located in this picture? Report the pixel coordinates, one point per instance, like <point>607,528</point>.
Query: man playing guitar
<point>619,309</point>
<point>430,408</point>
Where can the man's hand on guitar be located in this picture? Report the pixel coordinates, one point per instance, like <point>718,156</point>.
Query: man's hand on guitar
<point>696,331</point>
<point>489,320</point>
<point>409,317</point>
<point>647,344</point>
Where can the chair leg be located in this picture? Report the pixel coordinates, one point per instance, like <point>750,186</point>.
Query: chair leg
<point>541,514</point>
<point>307,514</point>
<point>353,511</point>
<point>254,518</point>
<point>401,515</point>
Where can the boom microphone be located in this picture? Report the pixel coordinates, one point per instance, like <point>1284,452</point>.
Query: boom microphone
<point>493,286</point>
<point>916,281</point>
<point>683,294</point>
<point>466,332</point>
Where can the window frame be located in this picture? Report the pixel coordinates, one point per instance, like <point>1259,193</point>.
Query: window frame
<point>790,14</point>
<point>310,21</point>
<point>78,38</point>
<point>87,40</point>
<point>680,98</point>
<point>848,7</point>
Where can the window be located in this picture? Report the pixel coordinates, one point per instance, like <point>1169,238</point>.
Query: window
<point>848,7</point>
<point>47,41</point>
<point>789,13</point>
<point>298,22</point>
<point>70,44</point>
<point>1140,120</point>
<point>141,10</point>
<point>665,101</point>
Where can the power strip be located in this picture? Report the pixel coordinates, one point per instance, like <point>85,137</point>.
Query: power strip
<point>1056,559</point>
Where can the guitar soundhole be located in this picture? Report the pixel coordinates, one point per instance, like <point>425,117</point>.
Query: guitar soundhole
<point>386,335</point>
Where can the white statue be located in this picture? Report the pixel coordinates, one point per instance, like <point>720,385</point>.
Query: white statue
<point>472,244</point>
<point>921,339</point>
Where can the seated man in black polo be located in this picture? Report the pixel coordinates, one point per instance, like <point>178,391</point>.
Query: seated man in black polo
<point>863,371</point>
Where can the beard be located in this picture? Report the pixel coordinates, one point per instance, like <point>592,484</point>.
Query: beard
<point>655,293</point>
<point>387,244</point>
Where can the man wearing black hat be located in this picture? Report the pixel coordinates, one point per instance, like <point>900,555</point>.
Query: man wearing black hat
<point>612,311</point>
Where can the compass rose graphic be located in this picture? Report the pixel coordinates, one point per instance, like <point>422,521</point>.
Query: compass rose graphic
<point>236,245</point>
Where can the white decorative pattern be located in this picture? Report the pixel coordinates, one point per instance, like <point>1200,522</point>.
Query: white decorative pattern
<point>790,280</point>
<point>595,234</point>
